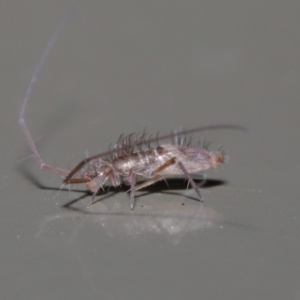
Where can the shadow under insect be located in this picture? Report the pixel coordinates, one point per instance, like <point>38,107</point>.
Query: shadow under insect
<point>172,186</point>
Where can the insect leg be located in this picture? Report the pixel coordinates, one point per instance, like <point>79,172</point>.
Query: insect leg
<point>190,179</point>
<point>150,182</point>
<point>173,161</point>
<point>132,189</point>
<point>78,180</point>
<point>98,184</point>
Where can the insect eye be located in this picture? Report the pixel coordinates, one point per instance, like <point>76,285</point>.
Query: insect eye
<point>94,175</point>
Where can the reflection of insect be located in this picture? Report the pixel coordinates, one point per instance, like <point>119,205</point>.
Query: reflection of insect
<point>133,159</point>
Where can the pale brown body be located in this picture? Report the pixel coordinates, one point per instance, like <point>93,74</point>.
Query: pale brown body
<point>162,161</point>
<point>151,165</point>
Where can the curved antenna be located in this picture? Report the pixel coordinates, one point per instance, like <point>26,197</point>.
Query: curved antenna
<point>151,140</point>
<point>29,92</point>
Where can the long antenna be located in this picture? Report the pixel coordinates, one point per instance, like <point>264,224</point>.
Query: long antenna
<point>29,92</point>
<point>160,138</point>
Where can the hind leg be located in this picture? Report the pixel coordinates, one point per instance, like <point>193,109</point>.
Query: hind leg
<point>165,166</point>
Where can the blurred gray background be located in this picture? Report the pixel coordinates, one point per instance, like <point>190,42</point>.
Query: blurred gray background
<point>121,66</point>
